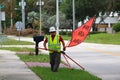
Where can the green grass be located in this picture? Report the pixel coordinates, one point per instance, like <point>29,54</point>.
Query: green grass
<point>104,38</point>
<point>15,42</point>
<point>18,49</point>
<point>63,74</point>
<point>66,37</point>
<point>34,58</point>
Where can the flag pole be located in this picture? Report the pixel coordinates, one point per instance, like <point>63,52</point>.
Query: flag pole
<point>66,56</point>
<point>67,61</point>
<point>74,61</point>
<point>73,14</point>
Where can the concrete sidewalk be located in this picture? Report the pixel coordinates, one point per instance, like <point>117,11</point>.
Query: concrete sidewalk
<point>12,68</point>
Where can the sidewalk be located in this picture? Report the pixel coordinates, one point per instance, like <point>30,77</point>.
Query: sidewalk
<point>12,68</point>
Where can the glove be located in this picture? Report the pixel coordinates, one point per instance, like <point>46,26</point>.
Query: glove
<point>62,52</point>
<point>64,48</point>
<point>46,48</point>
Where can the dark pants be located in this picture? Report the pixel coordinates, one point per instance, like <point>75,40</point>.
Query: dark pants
<point>55,59</point>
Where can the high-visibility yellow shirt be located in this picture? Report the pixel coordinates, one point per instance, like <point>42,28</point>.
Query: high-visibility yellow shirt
<point>54,44</point>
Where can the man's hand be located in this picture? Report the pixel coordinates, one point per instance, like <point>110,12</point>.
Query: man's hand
<point>62,52</point>
<point>46,48</point>
<point>64,48</point>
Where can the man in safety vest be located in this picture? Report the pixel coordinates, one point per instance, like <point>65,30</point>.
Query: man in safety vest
<point>54,46</point>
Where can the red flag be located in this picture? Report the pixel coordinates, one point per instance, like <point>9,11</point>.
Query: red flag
<point>79,34</point>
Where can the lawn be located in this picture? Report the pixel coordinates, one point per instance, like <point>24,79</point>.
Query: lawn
<point>18,49</point>
<point>15,42</point>
<point>34,58</point>
<point>104,38</point>
<point>64,74</point>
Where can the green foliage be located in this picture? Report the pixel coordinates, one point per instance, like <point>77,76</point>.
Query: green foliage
<point>62,33</point>
<point>50,7</point>
<point>83,8</point>
<point>48,21</point>
<point>89,8</point>
<point>66,33</point>
<point>96,32</point>
<point>69,33</point>
<point>46,30</point>
<point>116,27</point>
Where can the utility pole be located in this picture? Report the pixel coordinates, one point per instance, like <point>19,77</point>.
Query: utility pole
<point>73,14</point>
<point>23,4</point>
<point>57,16</point>
<point>11,13</point>
<point>23,14</point>
<point>0,21</point>
<point>40,16</point>
<point>40,3</point>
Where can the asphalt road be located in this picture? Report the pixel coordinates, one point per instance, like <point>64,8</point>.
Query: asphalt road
<point>99,59</point>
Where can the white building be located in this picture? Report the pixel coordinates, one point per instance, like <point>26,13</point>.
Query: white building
<point>104,23</point>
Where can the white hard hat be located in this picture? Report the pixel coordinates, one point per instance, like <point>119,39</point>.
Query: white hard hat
<point>52,29</point>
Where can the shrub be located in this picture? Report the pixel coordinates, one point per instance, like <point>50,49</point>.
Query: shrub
<point>10,31</point>
<point>62,32</point>
<point>26,32</point>
<point>96,32</point>
<point>29,32</point>
<point>116,27</point>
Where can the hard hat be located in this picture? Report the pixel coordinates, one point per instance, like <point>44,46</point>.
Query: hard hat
<point>52,29</point>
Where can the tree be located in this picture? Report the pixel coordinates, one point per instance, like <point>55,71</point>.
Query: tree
<point>9,10</point>
<point>50,7</point>
<point>89,8</point>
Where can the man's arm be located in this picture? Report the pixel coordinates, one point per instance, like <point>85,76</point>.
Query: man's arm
<point>63,43</point>
<point>45,42</point>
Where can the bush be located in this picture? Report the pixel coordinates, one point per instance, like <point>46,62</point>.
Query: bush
<point>65,33</point>
<point>10,31</point>
<point>62,32</point>
<point>29,32</point>
<point>26,32</point>
<point>116,27</point>
<point>96,32</point>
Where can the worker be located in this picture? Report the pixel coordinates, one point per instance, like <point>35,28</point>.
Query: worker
<point>54,46</point>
